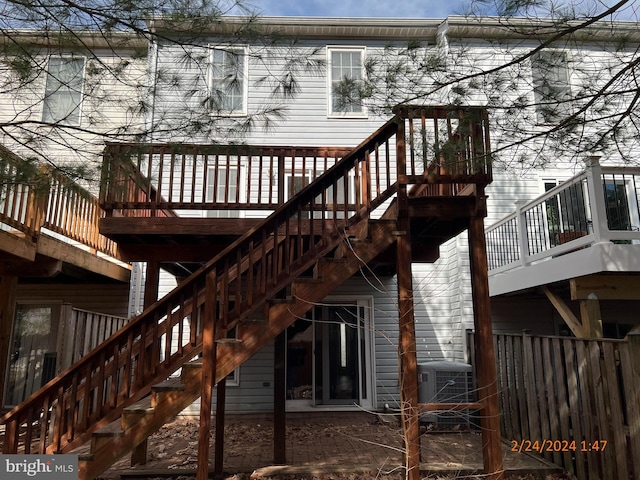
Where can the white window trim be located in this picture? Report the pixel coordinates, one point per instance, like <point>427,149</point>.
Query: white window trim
<point>82,93</point>
<point>243,49</point>
<point>342,48</point>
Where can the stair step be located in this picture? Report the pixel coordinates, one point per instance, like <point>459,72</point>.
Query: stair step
<point>228,340</point>
<point>308,280</point>
<point>167,391</point>
<point>332,260</point>
<point>111,430</point>
<point>252,320</point>
<point>281,301</point>
<point>191,371</point>
<point>105,435</point>
<point>83,452</point>
<point>136,413</point>
<point>143,406</point>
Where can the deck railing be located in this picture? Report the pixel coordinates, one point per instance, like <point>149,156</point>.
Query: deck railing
<point>601,204</point>
<point>21,202</point>
<point>85,330</point>
<point>48,199</point>
<point>150,180</point>
<point>230,287</point>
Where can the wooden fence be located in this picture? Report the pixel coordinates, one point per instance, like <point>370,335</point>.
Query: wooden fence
<point>574,401</point>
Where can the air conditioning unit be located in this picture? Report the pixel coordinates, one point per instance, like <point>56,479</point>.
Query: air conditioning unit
<point>446,382</point>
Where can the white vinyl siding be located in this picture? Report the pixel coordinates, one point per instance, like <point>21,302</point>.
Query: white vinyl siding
<point>228,80</point>
<point>550,85</point>
<point>63,91</point>
<point>346,72</point>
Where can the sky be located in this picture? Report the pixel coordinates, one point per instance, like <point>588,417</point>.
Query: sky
<point>405,8</point>
<point>362,8</point>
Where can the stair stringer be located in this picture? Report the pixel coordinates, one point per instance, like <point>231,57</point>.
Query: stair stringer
<point>137,423</point>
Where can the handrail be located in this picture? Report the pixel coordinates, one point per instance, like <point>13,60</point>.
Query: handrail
<point>50,200</point>
<point>600,204</point>
<point>254,268</point>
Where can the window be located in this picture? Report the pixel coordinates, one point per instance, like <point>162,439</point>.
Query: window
<point>550,85</point>
<point>63,91</point>
<point>345,81</point>
<point>221,191</point>
<point>567,213</point>
<point>621,203</point>
<point>227,83</point>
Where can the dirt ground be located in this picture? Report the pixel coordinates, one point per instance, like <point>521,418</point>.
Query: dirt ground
<point>322,449</point>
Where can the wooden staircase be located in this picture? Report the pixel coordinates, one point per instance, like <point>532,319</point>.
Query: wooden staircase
<point>116,396</point>
<point>170,397</point>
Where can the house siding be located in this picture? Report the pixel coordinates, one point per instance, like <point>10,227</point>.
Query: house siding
<point>442,290</point>
<point>110,105</point>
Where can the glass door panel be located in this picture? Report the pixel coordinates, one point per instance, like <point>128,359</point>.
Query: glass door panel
<point>337,342</point>
<point>33,351</point>
<point>300,361</point>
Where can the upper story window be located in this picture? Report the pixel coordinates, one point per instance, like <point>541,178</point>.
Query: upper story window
<point>551,87</point>
<point>346,72</point>
<point>63,91</point>
<point>228,80</point>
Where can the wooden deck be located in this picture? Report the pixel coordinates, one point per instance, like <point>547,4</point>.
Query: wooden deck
<point>413,184</point>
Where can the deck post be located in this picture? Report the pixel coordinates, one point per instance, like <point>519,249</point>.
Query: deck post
<point>7,312</point>
<point>151,286</point>
<point>221,400</point>
<point>208,375</point>
<point>407,342</point>
<point>279,400</point>
<point>151,282</point>
<point>485,355</point>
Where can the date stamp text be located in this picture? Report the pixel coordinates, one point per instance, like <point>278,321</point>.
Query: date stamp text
<point>547,445</point>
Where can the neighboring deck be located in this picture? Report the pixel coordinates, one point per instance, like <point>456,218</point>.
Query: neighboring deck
<point>588,225</point>
<point>49,228</point>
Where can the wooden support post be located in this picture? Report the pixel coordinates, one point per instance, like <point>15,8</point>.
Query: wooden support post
<point>279,400</point>
<point>221,400</point>
<point>407,341</point>
<point>591,317</point>
<point>151,283</point>
<point>408,356</point>
<point>151,287</point>
<point>485,355</point>
<point>208,375</point>
<point>8,286</point>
